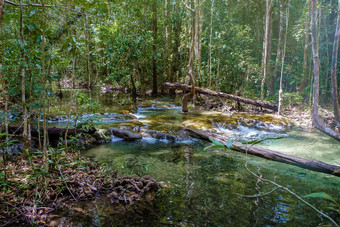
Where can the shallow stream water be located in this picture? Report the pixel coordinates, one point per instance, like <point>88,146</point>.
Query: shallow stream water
<point>208,187</point>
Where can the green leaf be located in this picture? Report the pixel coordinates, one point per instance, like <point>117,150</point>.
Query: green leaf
<point>229,144</point>
<point>32,13</point>
<point>208,147</point>
<point>216,143</point>
<point>336,171</point>
<point>322,195</point>
<point>38,66</point>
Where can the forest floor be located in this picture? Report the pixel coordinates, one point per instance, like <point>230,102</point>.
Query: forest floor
<point>29,193</point>
<point>298,114</point>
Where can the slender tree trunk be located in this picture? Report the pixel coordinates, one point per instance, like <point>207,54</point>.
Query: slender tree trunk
<point>133,89</point>
<point>88,55</point>
<point>167,37</point>
<point>271,87</point>
<point>327,51</point>
<point>305,53</point>
<point>45,158</point>
<point>334,85</point>
<point>2,6</point>
<point>194,55</point>
<point>282,64</point>
<point>175,63</point>
<point>318,123</point>
<point>4,88</point>
<point>210,41</point>
<point>25,136</point>
<point>266,43</point>
<point>154,58</point>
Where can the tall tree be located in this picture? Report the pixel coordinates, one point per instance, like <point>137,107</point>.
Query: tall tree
<point>266,44</point>
<point>334,85</point>
<point>195,54</point>
<point>272,80</point>
<point>2,6</point>
<point>210,41</point>
<point>26,141</point>
<point>283,62</point>
<point>45,162</point>
<point>305,50</point>
<point>154,58</point>
<point>318,122</point>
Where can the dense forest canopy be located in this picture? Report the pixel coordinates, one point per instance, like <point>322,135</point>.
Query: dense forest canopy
<point>107,41</point>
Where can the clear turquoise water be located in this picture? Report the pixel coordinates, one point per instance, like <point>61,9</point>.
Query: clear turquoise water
<point>202,185</point>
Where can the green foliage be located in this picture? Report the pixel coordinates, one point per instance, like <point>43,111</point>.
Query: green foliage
<point>218,144</point>
<point>290,99</point>
<point>322,195</point>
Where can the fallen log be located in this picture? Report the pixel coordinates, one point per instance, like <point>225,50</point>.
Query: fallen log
<point>269,154</point>
<point>209,92</point>
<point>53,133</point>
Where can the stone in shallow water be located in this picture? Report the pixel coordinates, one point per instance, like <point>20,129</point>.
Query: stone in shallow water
<point>126,134</point>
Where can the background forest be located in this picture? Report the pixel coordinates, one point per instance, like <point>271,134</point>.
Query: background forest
<point>148,42</point>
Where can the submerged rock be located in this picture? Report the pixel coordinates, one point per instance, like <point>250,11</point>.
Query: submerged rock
<point>126,134</point>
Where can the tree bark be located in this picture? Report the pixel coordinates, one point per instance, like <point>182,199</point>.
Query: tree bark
<point>318,122</point>
<point>271,87</point>
<point>305,53</point>
<point>53,133</point>
<point>175,62</point>
<point>154,58</point>
<point>283,63</point>
<point>269,154</point>
<point>2,6</point>
<point>26,141</point>
<point>334,85</point>
<point>45,162</point>
<point>266,43</point>
<point>210,42</point>
<point>205,91</point>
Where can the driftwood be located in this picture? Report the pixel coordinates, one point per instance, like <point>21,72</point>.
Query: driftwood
<point>269,154</point>
<point>209,92</point>
<point>53,133</point>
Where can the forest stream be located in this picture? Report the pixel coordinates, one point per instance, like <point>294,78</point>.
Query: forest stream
<point>205,187</point>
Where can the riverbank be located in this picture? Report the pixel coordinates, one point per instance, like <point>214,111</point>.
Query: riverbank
<point>29,193</point>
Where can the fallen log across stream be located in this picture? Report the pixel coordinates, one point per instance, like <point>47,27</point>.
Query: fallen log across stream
<point>53,133</point>
<point>209,92</point>
<point>269,154</point>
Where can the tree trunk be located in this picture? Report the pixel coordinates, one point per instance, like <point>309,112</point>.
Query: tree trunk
<point>175,63</point>
<point>334,85</point>
<point>167,37</point>
<point>133,89</point>
<point>26,142</point>
<point>154,58</point>
<point>269,154</point>
<point>2,6</point>
<point>210,41</point>
<point>88,57</point>
<point>271,87</point>
<point>318,122</point>
<point>283,63</point>
<point>327,50</point>
<point>209,92</point>
<point>305,53</point>
<point>266,43</point>
<point>45,158</point>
